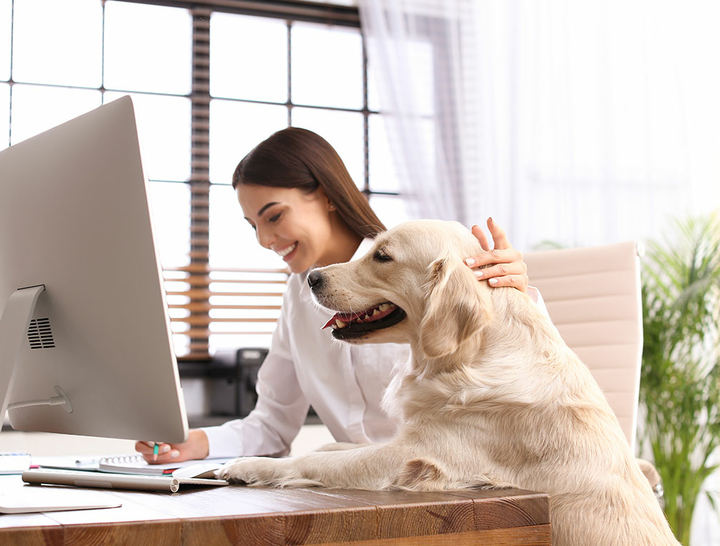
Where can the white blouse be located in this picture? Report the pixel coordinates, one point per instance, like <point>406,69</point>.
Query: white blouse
<point>306,366</point>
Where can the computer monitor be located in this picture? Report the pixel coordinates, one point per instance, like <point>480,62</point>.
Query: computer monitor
<point>84,323</point>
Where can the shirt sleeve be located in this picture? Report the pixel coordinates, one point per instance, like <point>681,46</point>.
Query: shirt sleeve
<point>279,413</point>
<point>536,296</point>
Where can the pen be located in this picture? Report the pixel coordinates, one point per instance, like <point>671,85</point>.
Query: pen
<point>156,449</point>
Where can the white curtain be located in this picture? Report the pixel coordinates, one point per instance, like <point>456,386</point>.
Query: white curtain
<point>576,121</point>
<point>581,122</point>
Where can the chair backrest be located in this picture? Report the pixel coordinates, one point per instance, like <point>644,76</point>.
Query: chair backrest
<point>593,296</point>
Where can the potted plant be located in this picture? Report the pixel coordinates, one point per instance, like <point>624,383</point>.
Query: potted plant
<point>680,381</point>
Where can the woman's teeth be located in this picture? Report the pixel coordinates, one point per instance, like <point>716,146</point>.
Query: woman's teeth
<point>285,251</point>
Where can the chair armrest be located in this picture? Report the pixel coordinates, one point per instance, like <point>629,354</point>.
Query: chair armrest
<point>653,477</point>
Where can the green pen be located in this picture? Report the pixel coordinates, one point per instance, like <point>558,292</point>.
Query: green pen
<point>156,450</point>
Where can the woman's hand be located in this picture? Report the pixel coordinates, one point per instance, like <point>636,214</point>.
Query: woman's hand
<point>196,447</point>
<point>505,265</point>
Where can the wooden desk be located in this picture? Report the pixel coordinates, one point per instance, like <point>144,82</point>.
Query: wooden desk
<point>237,515</point>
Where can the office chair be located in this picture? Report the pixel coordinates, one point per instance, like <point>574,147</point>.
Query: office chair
<point>594,298</point>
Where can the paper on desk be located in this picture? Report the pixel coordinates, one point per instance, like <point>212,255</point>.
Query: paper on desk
<point>47,499</point>
<point>14,463</point>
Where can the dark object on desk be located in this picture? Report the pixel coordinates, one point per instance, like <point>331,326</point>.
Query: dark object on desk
<point>233,386</point>
<point>233,376</point>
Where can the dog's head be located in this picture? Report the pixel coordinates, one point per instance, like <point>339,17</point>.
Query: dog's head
<point>412,286</point>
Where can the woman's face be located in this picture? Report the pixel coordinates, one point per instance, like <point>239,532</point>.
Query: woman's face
<point>294,224</point>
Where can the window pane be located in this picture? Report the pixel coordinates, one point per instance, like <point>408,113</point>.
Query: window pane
<point>422,68</point>
<point>248,57</point>
<point>390,209</point>
<point>164,128</point>
<point>5,17</point>
<point>343,130</point>
<point>4,116</point>
<point>326,66</point>
<point>373,97</point>
<point>58,42</point>
<point>36,109</point>
<point>232,240</point>
<point>380,162</point>
<point>235,129</point>
<point>147,48</point>
<point>170,208</point>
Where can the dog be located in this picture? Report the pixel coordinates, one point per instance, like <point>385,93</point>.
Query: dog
<point>491,396</point>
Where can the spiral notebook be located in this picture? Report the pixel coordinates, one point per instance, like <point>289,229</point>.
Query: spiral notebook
<point>135,464</point>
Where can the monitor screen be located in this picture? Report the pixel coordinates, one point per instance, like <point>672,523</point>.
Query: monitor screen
<point>83,318</point>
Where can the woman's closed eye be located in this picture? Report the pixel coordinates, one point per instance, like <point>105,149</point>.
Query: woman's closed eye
<point>275,217</point>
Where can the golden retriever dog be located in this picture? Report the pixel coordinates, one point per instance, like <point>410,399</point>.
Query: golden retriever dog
<point>491,397</point>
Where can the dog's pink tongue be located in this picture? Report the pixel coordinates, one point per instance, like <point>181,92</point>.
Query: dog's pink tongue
<point>343,318</point>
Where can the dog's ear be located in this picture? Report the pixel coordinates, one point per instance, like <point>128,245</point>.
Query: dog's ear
<point>456,308</point>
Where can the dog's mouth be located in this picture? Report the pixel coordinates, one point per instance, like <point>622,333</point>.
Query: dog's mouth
<point>353,325</point>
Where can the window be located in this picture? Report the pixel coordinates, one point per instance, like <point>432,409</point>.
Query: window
<point>230,76</point>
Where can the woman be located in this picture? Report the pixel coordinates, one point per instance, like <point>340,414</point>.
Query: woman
<point>296,193</point>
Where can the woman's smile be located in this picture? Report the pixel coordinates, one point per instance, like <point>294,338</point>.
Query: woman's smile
<point>287,253</point>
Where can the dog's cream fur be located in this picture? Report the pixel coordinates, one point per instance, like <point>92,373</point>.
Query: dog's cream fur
<point>492,397</point>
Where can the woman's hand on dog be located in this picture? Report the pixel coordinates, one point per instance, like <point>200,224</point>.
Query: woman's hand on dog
<point>501,265</point>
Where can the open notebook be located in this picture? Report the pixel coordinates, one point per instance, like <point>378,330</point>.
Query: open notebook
<point>135,464</point>
<point>122,464</point>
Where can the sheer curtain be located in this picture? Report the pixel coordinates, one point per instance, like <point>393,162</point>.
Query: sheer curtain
<point>581,122</point>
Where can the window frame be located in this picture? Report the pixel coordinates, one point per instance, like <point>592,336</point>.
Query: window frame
<point>198,271</point>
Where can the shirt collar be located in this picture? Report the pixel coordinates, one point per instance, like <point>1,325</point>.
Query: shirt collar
<point>365,245</point>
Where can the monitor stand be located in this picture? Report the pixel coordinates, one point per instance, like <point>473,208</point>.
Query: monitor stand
<point>14,324</point>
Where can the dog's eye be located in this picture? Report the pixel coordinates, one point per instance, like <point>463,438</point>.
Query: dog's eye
<point>380,256</point>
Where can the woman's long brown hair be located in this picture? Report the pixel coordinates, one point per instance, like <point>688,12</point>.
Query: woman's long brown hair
<point>298,158</point>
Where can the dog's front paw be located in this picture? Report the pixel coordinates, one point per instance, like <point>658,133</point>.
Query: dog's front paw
<point>253,471</point>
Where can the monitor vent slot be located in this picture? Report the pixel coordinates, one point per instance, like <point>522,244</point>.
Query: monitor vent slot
<point>40,335</point>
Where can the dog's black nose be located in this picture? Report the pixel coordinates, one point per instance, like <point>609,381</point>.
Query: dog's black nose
<point>315,280</point>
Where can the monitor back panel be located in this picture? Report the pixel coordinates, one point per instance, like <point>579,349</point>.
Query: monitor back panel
<point>74,216</point>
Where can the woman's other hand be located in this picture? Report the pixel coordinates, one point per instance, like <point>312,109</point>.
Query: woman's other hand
<point>196,447</point>
<point>500,266</point>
